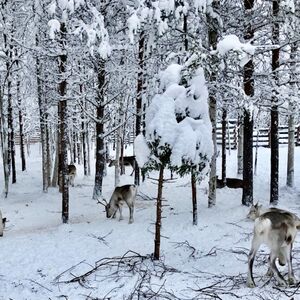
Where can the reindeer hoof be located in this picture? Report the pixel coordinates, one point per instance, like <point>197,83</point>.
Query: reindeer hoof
<point>282,283</point>
<point>121,218</point>
<point>130,222</point>
<point>292,281</point>
<point>250,284</point>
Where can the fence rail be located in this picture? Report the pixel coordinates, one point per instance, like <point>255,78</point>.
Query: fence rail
<point>261,136</point>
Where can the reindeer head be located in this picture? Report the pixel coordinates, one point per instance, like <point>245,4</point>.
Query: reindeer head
<point>255,211</point>
<point>110,210</point>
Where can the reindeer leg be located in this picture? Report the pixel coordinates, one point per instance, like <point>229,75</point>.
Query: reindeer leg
<point>131,209</point>
<point>270,271</point>
<point>292,279</point>
<point>255,246</point>
<point>276,272</point>
<point>120,210</point>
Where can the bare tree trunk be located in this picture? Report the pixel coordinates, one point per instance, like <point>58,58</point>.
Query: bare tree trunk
<point>118,151</point>
<point>42,122</point>
<point>78,149</point>
<point>256,153</point>
<point>11,134</point>
<point>240,147</point>
<point>100,149</point>
<point>247,198</point>
<point>55,178</point>
<point>140,83</point>
<point>291,130</point>
<point>224,124</point>
<point>213,38</point>
<point>22,147</point>
<point>84,144</point>
<point>88,152</point>
<point>158,213</point>
<point>74,144</point>
<point>194,198</point>
<point>48,150</point>
<point>274,109</point>
<point>63,158</point>
<point>4,146</point>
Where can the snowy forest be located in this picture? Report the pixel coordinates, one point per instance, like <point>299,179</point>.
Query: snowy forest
<point>148,149</point>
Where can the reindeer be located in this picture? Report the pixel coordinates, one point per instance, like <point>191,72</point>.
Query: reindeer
<point>257,210</point>
<point>127,161</point>
<point>2,224</point>
<point>277,229</point>
<point>71,173</point>
<point>121,194</point>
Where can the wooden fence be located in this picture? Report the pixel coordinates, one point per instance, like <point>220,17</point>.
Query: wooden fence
<point>261,136</point>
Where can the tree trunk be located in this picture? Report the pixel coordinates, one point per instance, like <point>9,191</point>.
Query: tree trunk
<point>224,125</point>
<point>158,213</point>
<point>139,98</point>
<point>194,198</point>
<point>291,134</point>
<point>78,148</point>
<point>63,159</point>
<point>21,132</point>
<point>240,147</point>
<point>274,109</point>
<point>100,149</point>
<point>4,146</point>
<point>84,144</point>
<point>247,198</point>
<point>10,121</point>
<point>213,38</point>
<point>118,152</point>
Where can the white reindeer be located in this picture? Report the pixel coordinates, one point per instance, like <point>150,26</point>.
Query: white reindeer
<point>277,229</point>
<point>2,224</point>
<point>121,194</point>
<point>71,173</point>
<point>257,210</point>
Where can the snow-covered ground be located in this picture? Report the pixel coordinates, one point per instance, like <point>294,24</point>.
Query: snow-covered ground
<point>38,253</point>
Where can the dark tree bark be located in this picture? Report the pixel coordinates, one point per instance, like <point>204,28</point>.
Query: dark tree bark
<point>63,154</point>
<point>140,83</point>
<point>84,138</point>
<point>4,145</point>
<point>74,147</point>
<point>22,145</point>
<point>224,125</point>
<point>158,213</point>
<point>194,198</point>
<point>100,149</point>
<point>247,198</point>
<point>11,135</point>
<point>42,116</point>
<point>274,108</point>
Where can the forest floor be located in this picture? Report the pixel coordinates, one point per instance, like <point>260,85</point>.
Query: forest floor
<point>92,257</point>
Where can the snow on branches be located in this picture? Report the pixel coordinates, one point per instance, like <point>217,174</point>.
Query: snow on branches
<point>178,128</point>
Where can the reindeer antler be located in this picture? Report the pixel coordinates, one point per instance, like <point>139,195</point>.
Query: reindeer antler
<point>104,203</point>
